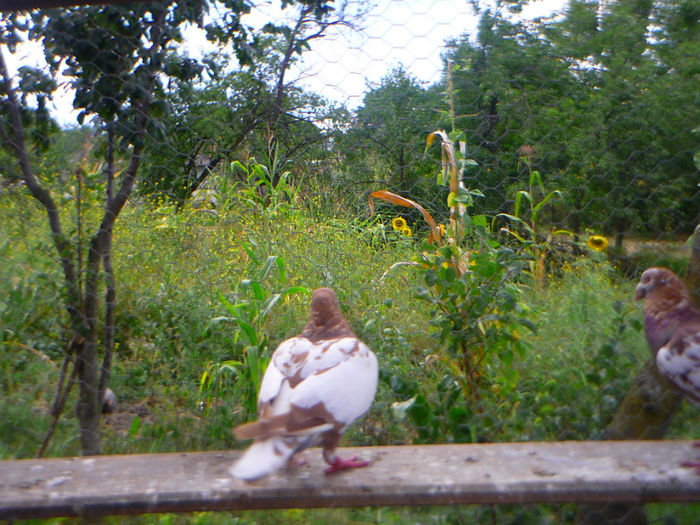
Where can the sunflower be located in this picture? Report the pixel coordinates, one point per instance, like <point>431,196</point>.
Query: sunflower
<point>597,243</point>
<point>406,231</point>
<point>399,223</point>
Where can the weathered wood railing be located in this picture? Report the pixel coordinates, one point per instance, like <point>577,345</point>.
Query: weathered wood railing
<point>581,472</point>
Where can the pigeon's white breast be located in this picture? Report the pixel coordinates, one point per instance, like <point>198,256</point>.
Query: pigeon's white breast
<point>680,361</point>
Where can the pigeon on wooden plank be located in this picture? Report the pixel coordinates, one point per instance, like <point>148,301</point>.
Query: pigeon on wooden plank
<point>316,384</point>
<point>672,329</point>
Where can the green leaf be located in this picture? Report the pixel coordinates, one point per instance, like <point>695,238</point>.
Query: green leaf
<point>230,366</point>
<point>512,377</point>
<point>267,267</point>
<point>238,165</point>
<point>297,289</point>
<point>550,196</point>
<point>480,220</point>
<point>282,269</point>
<point>419,411</point>
<point>135,426</point>
<point>250,252</point>
<point>203,380</point>
<point>258,292</point>
<point>248,331</point>
<point>536,179</point>
<point>518,199</point>
<point>268,304</point>
<point>233,309</point>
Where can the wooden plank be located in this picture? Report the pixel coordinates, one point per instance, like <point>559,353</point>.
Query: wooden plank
<point>583,472</point>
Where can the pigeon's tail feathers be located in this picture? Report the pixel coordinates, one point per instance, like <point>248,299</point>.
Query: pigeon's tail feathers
<point>263,457</point>
<point>274,426</point>
<point>262,429</point>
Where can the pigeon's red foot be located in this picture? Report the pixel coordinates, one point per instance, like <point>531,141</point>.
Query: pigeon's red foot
<point>343,464</point>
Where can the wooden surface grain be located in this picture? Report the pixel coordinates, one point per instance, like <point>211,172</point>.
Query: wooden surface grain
<point>589,471</point>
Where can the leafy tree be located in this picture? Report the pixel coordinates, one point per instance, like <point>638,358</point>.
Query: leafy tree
<point>601,103</point>
<point>386,141</point>
<point>246,110</point>
<point>117,59</point>
<point>512,97</point>
<point>632,150</point>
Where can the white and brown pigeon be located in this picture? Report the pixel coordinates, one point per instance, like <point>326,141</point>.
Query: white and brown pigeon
<point>672,329</point>
<point>316,384</point>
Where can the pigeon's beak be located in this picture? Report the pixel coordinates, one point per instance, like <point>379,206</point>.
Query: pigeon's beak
<point>640,292</point>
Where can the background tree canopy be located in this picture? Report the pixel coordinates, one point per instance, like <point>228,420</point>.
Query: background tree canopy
<point>602,99</point>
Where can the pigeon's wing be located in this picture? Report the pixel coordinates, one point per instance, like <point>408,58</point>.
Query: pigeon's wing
<point>339,385</point>
<point>284,364</point>
<point>679,360</point>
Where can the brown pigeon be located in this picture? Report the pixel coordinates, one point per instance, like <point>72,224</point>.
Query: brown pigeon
<point>672,329</point>
<point>316,384</point>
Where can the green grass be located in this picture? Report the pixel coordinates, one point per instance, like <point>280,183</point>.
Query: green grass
<point>170,270</point>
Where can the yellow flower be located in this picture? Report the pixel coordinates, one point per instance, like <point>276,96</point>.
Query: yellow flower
<point>597,243</point>
<point>399,223</point>
<point>441,227</point>
<point>406,231</point>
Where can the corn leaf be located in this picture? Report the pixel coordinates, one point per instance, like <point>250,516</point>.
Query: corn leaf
<point>248,331</point>
<point>393,198</point>
<point>555,193</point>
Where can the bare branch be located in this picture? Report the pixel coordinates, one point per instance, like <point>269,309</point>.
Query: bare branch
<point>59,402</point>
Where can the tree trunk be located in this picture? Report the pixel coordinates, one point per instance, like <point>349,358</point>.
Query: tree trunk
<point>88,367</point>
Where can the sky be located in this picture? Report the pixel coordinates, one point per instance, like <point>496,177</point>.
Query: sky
<point>346,63</point>
<point>409,33</point>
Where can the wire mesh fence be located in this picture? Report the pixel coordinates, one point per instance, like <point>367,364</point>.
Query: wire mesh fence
<point>174,173</point>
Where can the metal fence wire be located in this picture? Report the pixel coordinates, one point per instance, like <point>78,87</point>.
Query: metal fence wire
<point>158,157</point>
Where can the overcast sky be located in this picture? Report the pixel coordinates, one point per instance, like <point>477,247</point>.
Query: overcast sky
<point>411,33</point>
<point>342,65</point>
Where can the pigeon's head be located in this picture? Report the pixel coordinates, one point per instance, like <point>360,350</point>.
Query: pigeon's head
<point>324,307</point>
<point>659,283</point>
<point>326,320</point>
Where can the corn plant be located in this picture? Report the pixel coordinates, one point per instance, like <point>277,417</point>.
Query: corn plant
<point>526,215</point>
<point>474,298</point>
<point>267,188</point>
<point>247,312</point>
